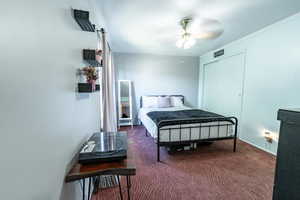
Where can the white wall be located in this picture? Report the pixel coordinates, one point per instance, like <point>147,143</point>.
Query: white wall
<point>156,75</point>
<point>42,119</point>
<point>271,78</point>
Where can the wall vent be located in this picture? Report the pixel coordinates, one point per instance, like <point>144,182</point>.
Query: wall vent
<point>219,53</point>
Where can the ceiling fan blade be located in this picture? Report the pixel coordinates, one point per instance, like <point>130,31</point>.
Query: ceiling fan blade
<point>206,29</point>
<point>207,35</point>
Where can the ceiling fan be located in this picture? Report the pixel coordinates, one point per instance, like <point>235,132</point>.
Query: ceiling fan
<point>198,29</point>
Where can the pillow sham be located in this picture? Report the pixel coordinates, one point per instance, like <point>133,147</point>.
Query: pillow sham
<point>149,102</point>
<point>176,101</point>
<point>164,102</point>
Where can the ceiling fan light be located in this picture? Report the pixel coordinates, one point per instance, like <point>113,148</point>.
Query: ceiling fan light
<point>189,43</point>
<point>187,46</point>
<point>180,43</point>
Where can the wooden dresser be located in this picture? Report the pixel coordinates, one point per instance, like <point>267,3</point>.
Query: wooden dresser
<point>287,177</point>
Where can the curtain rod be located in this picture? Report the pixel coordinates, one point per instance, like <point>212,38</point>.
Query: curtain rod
<point>103,32</point>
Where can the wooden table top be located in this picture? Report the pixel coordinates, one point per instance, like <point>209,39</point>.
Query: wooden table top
<point>124,168</point>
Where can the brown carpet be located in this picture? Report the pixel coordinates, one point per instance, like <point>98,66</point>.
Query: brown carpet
<point>212,172</point>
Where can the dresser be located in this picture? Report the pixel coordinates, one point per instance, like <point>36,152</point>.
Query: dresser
<point>287,175</point>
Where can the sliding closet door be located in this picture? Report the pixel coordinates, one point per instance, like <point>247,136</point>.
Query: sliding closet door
<point>223,86</point>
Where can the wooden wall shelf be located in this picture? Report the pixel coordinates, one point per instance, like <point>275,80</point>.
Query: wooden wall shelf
<point>82,18</point>
<point>87,88</point>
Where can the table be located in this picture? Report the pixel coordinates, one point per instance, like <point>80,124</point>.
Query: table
<point>89,171</point>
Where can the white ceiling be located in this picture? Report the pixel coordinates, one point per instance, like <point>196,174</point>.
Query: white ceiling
<point>151,26</point>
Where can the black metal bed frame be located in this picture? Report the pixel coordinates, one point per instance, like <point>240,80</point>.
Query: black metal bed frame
<point>165,123</point>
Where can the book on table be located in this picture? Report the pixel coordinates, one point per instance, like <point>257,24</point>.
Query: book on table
<point>104,147</point>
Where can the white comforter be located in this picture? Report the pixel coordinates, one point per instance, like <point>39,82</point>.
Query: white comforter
<point>147,121</point>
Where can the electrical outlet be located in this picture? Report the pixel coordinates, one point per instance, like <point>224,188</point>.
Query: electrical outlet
<point>268,137</point>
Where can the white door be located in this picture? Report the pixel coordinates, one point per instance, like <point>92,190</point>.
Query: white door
<point>223,86</point>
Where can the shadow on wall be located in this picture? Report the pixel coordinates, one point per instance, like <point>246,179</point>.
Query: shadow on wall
<point>71,191</point>
<point>187,103</point>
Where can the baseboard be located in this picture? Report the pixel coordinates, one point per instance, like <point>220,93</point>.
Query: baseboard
<point>256,146</point>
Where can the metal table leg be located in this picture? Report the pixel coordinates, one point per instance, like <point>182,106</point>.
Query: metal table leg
<point>83,189</point>
<point>89,189</point>
<point>120,189</point>
<point>128,180</point>
<point>128,186</point>
<point>95,183</point>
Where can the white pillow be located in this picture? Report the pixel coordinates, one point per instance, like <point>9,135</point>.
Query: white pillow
<point>176,101</point>
<point>164,102</point>
<point>149,102</point>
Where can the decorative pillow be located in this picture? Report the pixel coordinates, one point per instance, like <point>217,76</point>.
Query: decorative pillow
<point>149,102</point>
<point>164,102</point>
<point>176,101</point>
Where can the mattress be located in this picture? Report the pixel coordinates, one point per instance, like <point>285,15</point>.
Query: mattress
<point>207,130</point>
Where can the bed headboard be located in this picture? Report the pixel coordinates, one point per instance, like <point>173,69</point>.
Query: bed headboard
<point>141,98</point>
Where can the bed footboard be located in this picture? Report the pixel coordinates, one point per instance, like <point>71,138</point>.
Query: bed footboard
<point>163,125</point>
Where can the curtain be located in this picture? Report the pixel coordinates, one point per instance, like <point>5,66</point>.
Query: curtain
<point>108,92</point>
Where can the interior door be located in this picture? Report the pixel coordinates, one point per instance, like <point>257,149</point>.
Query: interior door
<point>223,86</point>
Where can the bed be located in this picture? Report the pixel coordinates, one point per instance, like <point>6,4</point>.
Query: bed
<point>181,125</point>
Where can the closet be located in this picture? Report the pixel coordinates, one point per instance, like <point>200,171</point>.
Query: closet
<point>223,85</point>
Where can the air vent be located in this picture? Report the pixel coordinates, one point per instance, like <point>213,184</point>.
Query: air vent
<point>82,18</point>
<point>219,53</point>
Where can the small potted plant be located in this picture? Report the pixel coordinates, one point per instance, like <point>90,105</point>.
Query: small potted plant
<point>91,76</point>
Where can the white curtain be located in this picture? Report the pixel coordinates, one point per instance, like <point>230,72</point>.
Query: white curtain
<point>108,92</point>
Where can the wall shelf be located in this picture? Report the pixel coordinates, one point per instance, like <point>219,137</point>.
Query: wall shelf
<point>87,88</point>
<point>82,18</point>
<point>90,55</point>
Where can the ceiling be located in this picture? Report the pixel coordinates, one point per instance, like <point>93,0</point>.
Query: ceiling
<point>152,26</point>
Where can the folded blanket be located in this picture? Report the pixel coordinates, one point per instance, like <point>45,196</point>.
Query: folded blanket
<point>185,117</point>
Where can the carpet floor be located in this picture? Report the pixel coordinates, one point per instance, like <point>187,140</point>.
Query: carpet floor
<point>212,172</point>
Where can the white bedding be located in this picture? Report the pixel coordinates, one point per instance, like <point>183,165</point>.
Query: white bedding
<point>147,121</point>
<point>214,132</point>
